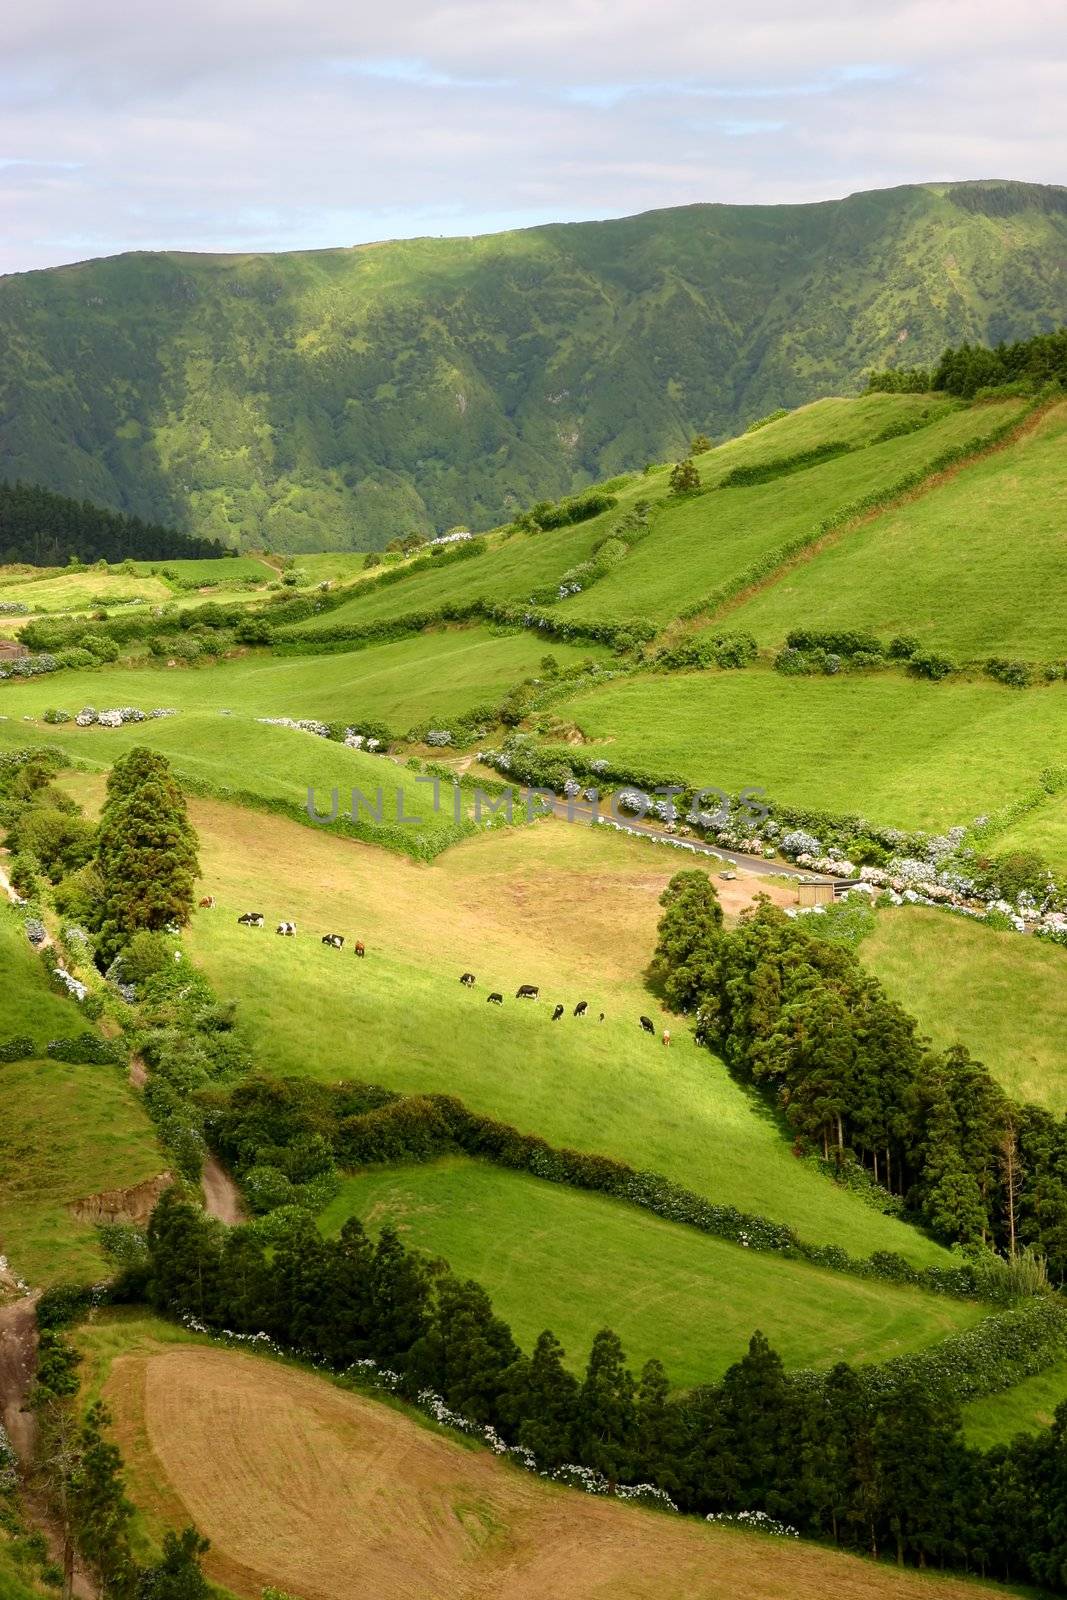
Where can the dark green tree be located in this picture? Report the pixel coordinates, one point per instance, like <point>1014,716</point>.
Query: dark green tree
<point>605,1424</point>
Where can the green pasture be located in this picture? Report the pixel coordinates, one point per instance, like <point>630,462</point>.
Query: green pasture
<point>1044,830</point>
<point>698,543</point>
<point>997,1418</point>
<point>1002,995</point>
<point>259,764</point>
<point>574,1262</point>
<point>558,905</point>
<point>208,571</point>
<point>68,1131</point>
<point>435,675</point>
<point>82,591</point>
<point>904,752</point>
<point>978,568</point>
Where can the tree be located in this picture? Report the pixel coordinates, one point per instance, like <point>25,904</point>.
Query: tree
<point>546,1403</point>
<point>684,477</point>
<point>607,1415</point>
<point>399,1298</point>
<point>659,1430</point>
<point>146,852</point>
<point>466,1351</point>
<point>700,443</point>
<point>179,1575</point>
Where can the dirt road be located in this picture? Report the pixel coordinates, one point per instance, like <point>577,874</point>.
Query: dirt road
<point>222,1197</point>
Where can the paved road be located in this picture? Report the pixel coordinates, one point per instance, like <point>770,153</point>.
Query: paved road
<point>754,864</point>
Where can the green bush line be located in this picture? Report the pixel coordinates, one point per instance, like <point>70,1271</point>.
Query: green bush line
<point>419,1128</point>
<point>514,615</point>
<point>878,500</point>
<point>745,476</point>
<point>1051,782</point>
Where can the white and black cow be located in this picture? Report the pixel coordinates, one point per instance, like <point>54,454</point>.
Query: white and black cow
<point>336,941</point>
<point>581,1008</point>
<point>495,999</point>
<point>467,980</point>
<point>527,991</point>
<point>648,1025</point>
<point>251,919</point>
<point>286,928</point>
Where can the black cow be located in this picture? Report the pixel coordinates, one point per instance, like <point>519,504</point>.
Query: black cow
<point>601,1017</point>
<point>252,919</point>
<point>335,940</point>
<point>581,1008</point>
<point>495,999</point>
<point>648,1025</point>
<point>557,1013</point>
<point>467,980</point>
<point>527,991</point>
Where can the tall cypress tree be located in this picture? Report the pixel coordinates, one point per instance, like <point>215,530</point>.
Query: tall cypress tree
<point>607,1414</point>
<point>146,851</point>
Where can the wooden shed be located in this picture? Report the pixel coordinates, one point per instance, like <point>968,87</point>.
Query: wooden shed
<point>814,892</point>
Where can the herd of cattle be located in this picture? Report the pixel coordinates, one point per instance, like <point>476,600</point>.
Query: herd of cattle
<point>530,991</point>
<point>525,991</point>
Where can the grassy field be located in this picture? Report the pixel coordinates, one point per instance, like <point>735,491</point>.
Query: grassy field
<point>267,764</point>
<point>554,1257</point>
<point>903,752</point>
<point>1003,996</point>
<point>1023,1409</point>
<point>567,907</point>
<point>1043,830</point>
<point>78,591</point>
<point>698,544</point>
<point>440,675</point>
<point>69,1131</point>
<point>985,571</point>
<point>295,1483</point>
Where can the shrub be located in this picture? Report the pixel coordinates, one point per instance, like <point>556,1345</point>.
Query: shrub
<point>1016,674</point>
<point>684,477</point>
<point>903,647</point>
<point>929,664</point>
<point>20,1048</point>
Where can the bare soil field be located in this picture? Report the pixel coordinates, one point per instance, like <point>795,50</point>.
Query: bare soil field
<point>303,1485</point>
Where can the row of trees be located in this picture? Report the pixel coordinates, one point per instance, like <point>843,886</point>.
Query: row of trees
<point>857,1081</point>
<point>81,1472</point>
<point>837,1457</point>
<point>47,530</point>
<point>134,872</point>
<point>964,369</point>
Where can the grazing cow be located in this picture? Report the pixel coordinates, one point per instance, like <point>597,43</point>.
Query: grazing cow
<point>648,1025</point>
<point>582,1007</point>
<point>495,999</point>
<point>467,980</point>
<point>252,919</point>
<point>335,940</point>
<point>287,928</point>
<point>557,1013</point>
<point>666,1036</point>
<point>601,1017</point>
<point>527,991</point>
<point>208,903</point>
<point>700,1037</point>
<point>360,948</point>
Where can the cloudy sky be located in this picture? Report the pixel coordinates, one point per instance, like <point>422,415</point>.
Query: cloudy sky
<point>284,124</point>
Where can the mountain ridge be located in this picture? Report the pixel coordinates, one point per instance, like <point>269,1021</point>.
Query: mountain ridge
<point>336,398</point>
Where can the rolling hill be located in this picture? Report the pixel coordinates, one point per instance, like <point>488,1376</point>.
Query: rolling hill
<point>333,399</point>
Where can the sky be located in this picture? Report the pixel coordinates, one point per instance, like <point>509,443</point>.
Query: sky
<point>297,124</point>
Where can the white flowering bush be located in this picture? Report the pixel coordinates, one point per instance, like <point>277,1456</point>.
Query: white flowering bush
<point>439,736</point>
<point>753,1522</point>
<point>797,842</point>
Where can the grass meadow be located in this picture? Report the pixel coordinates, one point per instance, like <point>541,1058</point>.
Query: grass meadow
<point>1044,829</point>
<point>570,908</point>
<point>903,752</point>
<point>985,571</point>
<point>997,1418</point>
<point>265,765</point>
<point>699,543</point>
<point>574,1262</point>
<point>1003,996</point>
<point>433,675</point>
<point>68,1131</point>
<point>58,591</point>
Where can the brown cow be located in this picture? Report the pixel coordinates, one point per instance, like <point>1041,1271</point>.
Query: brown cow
<point>208,903</point>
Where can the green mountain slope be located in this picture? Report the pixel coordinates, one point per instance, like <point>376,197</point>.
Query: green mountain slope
<point>331,399</point>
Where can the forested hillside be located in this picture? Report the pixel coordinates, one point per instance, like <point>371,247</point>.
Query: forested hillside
<point>334,399</point>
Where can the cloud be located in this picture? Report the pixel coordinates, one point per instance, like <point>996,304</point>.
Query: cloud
<point>266,124</point>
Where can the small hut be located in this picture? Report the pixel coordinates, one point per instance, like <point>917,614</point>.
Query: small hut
<point>814,892</point>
